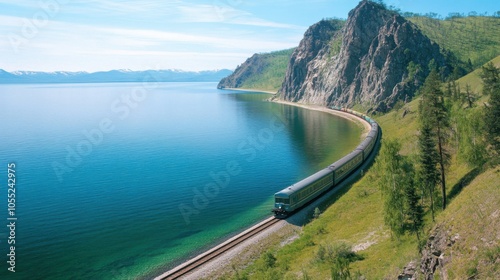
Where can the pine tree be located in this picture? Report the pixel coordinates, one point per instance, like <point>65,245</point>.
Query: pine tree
<point>428,173</point>
<point>433,112</point>
<point>469,95</point>
<point>469,65</point>
<point>450,90</point>
<point>415,211</point>
<point>491,78</point>
<point>491,82</point>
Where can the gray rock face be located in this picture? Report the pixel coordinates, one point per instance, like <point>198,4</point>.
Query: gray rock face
<point>409,272</point>
<point>434,254</point>
<point>307,60</point>
<point>364,61</point>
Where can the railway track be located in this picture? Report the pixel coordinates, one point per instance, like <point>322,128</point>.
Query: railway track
<point>191,265</point>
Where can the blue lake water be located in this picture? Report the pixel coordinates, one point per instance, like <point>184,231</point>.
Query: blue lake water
<point>121,181</point>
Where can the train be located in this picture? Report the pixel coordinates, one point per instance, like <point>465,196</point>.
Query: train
<point>292,198</point>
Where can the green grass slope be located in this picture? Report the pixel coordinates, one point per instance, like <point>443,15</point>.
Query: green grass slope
<point>473,218</point>
<point>271,76</point>
<point>475,37</point>
<point>474,80</point>
<point>355,217</point>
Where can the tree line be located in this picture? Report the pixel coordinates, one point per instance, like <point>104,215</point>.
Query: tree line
<point>433,15</point>
<point>448,119</point>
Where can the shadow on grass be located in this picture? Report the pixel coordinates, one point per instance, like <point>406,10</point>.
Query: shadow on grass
<point>464,181</point>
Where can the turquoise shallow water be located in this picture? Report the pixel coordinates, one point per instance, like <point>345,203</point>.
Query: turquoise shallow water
<point>121,181</point>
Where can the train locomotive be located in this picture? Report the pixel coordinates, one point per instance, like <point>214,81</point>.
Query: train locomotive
<point>297,195</point>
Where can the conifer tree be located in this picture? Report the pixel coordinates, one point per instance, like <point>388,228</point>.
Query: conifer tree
<point>414,210</point>
<point>491,78</point>
<point>468,95</point>
<point>450,90</point>
<point>428,173</point>
<point>468,128</point>
<point>434,113</point>
<point>491,82</point>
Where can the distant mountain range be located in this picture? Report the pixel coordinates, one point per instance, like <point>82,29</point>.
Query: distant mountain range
<point>21,77</point>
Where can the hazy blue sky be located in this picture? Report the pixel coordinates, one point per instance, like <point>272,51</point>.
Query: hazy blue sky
<point>74,35</point>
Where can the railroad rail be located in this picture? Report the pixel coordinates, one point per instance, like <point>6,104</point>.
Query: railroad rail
<point>196,262</point>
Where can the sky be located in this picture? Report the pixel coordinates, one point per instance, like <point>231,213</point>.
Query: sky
<point>191,35</point>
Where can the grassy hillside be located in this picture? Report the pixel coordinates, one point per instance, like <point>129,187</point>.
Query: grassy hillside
<point>272,74</point>
<point>473,78</point>
<point>354,217</point>
<point>475,37</point>
<point>473,217</point>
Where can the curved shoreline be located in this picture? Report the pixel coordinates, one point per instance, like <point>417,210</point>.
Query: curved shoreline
<point>345,115</point>
<point>284,231</point>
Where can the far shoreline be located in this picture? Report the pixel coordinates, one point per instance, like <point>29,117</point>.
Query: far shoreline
<point>251,90</point>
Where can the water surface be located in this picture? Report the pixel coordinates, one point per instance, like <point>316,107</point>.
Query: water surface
<point>120,181</point>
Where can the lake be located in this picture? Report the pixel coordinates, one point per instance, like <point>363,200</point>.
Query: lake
<point>124,180</point>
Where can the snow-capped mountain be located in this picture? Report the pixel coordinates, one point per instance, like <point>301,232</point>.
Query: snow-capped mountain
<point>121,75</point>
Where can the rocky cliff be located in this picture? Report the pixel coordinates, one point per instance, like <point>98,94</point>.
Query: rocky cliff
<point>375,59</point>
<point>252,66</point>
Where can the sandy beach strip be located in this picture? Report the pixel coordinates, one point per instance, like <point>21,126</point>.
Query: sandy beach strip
<point>365,124</point>
<point>345,115</point>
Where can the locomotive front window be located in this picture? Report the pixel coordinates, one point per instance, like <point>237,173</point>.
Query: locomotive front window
<point>283,200</point>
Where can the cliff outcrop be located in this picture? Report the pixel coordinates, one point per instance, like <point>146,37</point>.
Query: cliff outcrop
<point>375,59</point>
<point>251,67</point>
<point>261,71</point>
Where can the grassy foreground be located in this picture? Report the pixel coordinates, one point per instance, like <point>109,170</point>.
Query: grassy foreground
<point>354,218</point>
